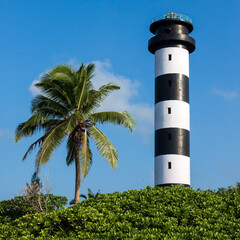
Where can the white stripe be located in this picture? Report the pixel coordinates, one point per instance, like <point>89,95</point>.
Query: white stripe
<point>178,118</point>
<point>178,64</point>
<point>179,172</point>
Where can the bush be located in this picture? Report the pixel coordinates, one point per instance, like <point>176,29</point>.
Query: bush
<point>18,206</point>
<point>153,213</point>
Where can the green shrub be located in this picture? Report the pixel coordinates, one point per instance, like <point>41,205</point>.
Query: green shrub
<point>18,206</point>
<point>152,213</point>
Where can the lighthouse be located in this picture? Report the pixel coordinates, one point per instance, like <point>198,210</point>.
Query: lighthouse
<point>171,46</point>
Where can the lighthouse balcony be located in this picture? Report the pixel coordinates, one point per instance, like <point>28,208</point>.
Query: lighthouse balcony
<point>174,16</point>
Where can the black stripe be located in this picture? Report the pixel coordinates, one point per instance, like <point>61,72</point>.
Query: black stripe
<point>164,40</point>
<point>170,184</point>
<point>171,87</point>
<point>172,141</point>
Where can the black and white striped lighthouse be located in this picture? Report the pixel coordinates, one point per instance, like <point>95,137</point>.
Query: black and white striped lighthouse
<point>171,46</point>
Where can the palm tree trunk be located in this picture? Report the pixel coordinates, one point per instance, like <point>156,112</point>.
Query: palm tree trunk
<point>78,176</point>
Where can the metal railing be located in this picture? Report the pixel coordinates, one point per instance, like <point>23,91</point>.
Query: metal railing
<point>173,16</point>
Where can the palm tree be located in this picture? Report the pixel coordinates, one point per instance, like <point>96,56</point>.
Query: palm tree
<point>89,195</point>
<point>66,108</point>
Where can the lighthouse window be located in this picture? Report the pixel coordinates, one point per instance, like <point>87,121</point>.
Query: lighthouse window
<point>170,57</point>
<point>169,110</point>
<point>169,165</point>
<point>169,83</point>
<point>167,30</point>
<point>169,136</point>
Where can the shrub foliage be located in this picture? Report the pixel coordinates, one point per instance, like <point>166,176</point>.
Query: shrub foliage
<point>19,206</point>
<point>152,213</point>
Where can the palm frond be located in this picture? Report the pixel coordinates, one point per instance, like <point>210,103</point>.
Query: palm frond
<point>38,121</point>
<point>37,143</point>
<point>85,155</point>
<point>61,68</point>
<point>114,117</point>
<point>54,91</point>
<point>46,113</point>
<point>28,128</point>
<point>41,101</point>
<point>98,194</point>
<point>81,90</point>
<point>83,196</point>
<point>105,147</point>
<point>64,73</point>
<point>66,87</point>
<point>74,120</point>
<point>90,193</point>
<point>84,85</point>
<point>22,131</point>
<point>104,90</point>
<point>90,70</point>
<point>94,98</point>
<point>70,151</point>
<point>63,76</point>
<point>51,142</point>
<point>78,75</point>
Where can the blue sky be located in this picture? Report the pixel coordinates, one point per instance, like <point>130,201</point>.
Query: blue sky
<point>37,35</point>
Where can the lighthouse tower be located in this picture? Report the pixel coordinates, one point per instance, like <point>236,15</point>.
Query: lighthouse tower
<point>171,46</point>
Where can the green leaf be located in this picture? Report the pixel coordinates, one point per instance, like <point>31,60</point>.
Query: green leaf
<point>105,147</point>
<point>84,85</point>
<point>70,151</point>
<point>96,97</point>
<point>50,143</point>
<point>34,145</point>
<point>85,154</point>
<point>38,121</point>
<point>115,117</point>
<point>41,101</point>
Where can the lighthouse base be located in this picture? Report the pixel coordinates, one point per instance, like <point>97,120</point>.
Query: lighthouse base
<point>170,184</point>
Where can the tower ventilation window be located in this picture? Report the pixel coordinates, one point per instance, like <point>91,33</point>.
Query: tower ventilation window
<point>169,165</point>
<point>169,110</point>
<point>169,136</point>
<point>170,57</point>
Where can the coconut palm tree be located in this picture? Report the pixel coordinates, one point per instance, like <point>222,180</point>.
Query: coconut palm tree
<point>89,195</point>
<point>66,108</point>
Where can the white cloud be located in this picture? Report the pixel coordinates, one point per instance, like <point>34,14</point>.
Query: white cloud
<point>229,95</point>
<point>34,90</point>
<point>122,99</point>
